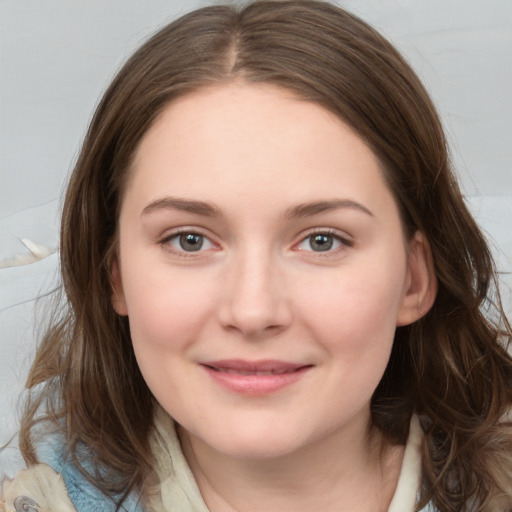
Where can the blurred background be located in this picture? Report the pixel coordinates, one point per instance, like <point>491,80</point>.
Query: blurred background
<point>57,57</point>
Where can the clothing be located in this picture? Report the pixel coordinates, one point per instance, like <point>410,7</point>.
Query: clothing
<point>177,491</point>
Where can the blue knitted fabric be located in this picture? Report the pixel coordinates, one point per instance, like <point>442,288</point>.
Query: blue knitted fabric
<point>85,496</point>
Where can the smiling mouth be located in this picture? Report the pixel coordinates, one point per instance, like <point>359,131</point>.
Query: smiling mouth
<point>255,378</point>
<point>265,367</point>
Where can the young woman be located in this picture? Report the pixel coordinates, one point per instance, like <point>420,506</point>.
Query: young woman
<point>276,298</point>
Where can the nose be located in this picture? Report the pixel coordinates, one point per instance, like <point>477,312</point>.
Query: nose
<point>255,301</point>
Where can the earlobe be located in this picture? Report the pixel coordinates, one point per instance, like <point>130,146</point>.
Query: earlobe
<point>421,285</point>
<point>118,299</point>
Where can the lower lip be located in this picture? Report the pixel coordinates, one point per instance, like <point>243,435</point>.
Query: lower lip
<point>256,384</point>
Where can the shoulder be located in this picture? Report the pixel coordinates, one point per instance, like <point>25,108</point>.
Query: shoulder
<point>57,484</point>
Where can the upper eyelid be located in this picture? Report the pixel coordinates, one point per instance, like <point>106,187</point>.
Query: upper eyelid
<point>169,235</point>
<point>342,235</point>
<point>345,240</point>
<point>165,243</point>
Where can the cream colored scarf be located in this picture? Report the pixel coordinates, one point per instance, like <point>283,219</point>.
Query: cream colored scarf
<point>178,491</point>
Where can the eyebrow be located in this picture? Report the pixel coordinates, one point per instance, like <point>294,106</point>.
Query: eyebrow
<point>209,210</point>
<point>317,207</point>
<point>185,205</point>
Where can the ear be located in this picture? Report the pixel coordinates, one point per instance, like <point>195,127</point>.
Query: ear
<point>118,298</point>
<point>421,282</point>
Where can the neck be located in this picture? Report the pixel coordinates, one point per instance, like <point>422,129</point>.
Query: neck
<point>345,471</point>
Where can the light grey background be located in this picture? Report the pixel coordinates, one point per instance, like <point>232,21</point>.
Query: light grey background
<point>57,56</point>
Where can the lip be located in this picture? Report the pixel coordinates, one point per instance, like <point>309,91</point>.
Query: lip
<point>255,377</point>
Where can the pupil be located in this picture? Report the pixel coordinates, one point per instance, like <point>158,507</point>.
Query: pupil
<point>321,242</point>
<point>191,242</point>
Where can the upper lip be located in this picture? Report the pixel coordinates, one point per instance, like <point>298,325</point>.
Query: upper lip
<point>269,366</point>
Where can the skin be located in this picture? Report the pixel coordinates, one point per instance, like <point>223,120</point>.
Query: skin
<point>259,288</point>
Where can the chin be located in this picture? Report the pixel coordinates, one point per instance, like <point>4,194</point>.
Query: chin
<point>266,442</point>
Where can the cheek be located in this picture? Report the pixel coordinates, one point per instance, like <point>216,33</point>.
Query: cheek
<point>355,312</point>
<point>166,318</point>
<point>166,310</point>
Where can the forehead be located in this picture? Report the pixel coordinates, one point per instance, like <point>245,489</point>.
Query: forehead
<point>254,141</point>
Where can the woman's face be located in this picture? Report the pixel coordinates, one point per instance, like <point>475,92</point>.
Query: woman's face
<point>263,268</point>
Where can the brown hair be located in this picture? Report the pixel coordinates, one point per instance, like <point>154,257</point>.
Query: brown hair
<point>451,367</point>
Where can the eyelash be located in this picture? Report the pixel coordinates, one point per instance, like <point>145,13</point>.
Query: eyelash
<point>166,241</point>
<point>343,241</point>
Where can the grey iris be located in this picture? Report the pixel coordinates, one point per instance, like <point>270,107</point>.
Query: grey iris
<point>191,242</point>
<point>321,242</point>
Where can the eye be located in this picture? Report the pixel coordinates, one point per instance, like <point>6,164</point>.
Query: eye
<point>188,241</point>
<point>323,242</point>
